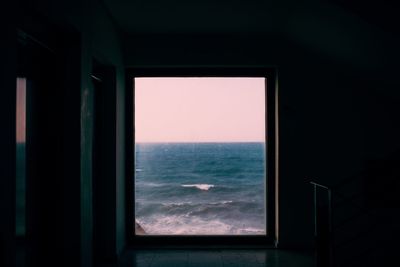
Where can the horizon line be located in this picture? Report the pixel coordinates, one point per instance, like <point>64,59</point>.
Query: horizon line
<point>179,142</point>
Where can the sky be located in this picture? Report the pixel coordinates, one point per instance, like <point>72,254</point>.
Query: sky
<point>200,109</point>
<point>21,110</point>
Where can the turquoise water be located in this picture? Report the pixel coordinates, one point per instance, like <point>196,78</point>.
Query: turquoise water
<point>200,188</point>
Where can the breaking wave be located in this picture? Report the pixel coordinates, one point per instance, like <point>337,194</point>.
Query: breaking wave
<point>204,187</point>
<point>187,225</point>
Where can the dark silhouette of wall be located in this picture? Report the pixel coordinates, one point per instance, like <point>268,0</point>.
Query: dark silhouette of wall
<point>8,71</point>
<point>60,217</point>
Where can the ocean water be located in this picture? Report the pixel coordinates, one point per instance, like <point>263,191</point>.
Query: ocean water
<point>20,189</point>
<point>200,188</point>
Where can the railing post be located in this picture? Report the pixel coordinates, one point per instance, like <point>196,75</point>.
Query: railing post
<point>315,210</point>
<point>323,226</point>
<point>330,229</point>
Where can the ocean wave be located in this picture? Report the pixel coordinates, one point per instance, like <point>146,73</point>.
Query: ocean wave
<point>176,204</point>
<point>221,202</point>
<point>186,225</point>
<point>204,187</point>
<point>191,204</point>
<point>224,209</point>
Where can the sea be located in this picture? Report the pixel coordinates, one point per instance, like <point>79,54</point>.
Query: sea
<point>200,188</point>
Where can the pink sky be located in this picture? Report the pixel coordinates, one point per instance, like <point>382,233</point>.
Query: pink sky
<point>21,107</point>
<point>200,109</point>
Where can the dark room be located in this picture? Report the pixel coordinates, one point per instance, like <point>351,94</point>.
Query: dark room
<point>149,133</point>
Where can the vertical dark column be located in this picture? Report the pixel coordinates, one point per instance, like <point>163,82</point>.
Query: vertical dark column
<point>104,165</point>
<point>53,151</point>
<point>120,161</point>
<point>323,226</point>
<point>129,156</point>
<point>70,223</point>
<point>7,143</point>
<point>271,153</point>
<point>98,167</point>
<point>44,156</point>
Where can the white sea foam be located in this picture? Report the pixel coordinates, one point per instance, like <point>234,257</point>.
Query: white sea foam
<point>190,203</point>
<point>221,202</point>
<point>250,230</point>
<point>189,225</point>
<point>176,204</point>
<point>204,187</point>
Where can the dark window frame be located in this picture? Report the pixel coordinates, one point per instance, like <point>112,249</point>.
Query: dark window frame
<point>267,240</point>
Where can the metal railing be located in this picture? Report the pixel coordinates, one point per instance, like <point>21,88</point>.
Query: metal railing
<point>323,229</point>
<point>343,238</point>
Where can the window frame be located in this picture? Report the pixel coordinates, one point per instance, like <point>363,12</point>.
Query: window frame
<point>268,240</point>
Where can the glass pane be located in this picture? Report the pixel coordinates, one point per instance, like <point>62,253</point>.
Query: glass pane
<point>21,168</point>
<point>200,156</point>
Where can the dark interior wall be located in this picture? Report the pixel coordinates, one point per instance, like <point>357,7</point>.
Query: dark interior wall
<point>337,96</point>
<point>108,50</point>
<point>8,71</point>
<point>338,103</point>
<point>99,40</point>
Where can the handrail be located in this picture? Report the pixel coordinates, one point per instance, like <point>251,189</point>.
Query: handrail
<point>320,185</point>
<point>333,192</point>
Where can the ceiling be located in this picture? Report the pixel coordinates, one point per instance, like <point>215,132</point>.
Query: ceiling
<point>233,16</point>
<point>191,16</point>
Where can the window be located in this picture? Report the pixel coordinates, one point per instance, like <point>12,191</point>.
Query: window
<point>21,155</point>
<point>203,155</point>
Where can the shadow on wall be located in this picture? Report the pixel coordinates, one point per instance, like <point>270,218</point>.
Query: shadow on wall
<point>366,220</point>
<point>382,182</point>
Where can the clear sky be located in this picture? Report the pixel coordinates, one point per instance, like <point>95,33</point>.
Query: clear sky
<point>200,109</point>
<point>21,110</point>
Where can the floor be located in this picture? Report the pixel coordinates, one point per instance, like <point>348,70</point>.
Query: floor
<point>206,258</point>
<point>216,258</point>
